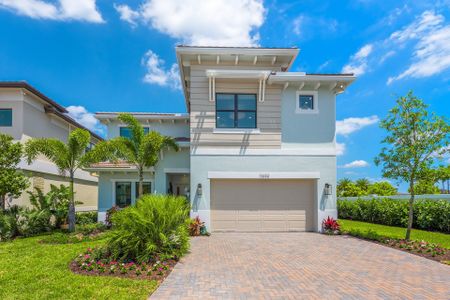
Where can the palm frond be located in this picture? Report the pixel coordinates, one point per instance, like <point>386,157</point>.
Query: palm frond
<point>53,149</point>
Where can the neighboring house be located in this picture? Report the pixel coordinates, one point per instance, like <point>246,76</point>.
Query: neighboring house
<point>27,113</point>
<point>118,183</point>
<point>262,142</point>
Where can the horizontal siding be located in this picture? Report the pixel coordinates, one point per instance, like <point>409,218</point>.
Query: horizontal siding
<point>203,117</point>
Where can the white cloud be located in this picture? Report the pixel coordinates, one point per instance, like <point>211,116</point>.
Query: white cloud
<point>340,149</point>
<point>349,125</point>
<point>85,118</point>
<point>356,164</point>
<point>82,10</point>
<point>127,14</point>
<point>432,51</point>
<point>306,26</point>
<point>158,74</point>
<point>358,64</point>
<point>203,23</point>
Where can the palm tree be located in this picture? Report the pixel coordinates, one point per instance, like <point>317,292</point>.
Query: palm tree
<point>69,157</point>
<point>363,184</point>
<point>141,149</point>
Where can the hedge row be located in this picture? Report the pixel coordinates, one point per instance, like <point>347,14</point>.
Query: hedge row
<point>428,214</point>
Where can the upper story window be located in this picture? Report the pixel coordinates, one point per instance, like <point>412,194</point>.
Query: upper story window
<point>126,131</point>
<point>5,117</point>
<point>235,111</point>
<point>306,102</point>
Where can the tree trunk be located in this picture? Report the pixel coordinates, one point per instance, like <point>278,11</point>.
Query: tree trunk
<point>71,205</point>
<point>141,182</point>
<point>411,211</point>
<point>3,202</point>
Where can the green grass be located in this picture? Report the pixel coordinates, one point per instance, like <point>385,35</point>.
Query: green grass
<point>30,270</point>
<point>397,232</point>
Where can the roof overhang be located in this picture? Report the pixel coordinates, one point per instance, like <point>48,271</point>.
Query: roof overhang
<point>275,58</point>
<point>106,117</point>
<point>336,82</point>
<point>238,74</point>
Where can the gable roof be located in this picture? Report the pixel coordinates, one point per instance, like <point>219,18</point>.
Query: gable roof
<point>52,106</point>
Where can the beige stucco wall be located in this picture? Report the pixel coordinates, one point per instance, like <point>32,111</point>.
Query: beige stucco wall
<point>85,191</point>
<point>203,114</point>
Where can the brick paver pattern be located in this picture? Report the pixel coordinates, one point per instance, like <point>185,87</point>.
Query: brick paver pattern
<point>301,266</point>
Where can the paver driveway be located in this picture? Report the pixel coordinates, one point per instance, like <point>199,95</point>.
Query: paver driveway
<point>299,266</point>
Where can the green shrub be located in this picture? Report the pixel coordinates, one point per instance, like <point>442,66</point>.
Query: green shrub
<point>428,214</point>
<point>156,226</point>
<point>91,228</point>
<point>83,218</point>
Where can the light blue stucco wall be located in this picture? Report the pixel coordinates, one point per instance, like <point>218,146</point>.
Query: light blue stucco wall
<point>177,129</point>
<point>171,161</point>
<point>202,164</point>
<point>313,129</point>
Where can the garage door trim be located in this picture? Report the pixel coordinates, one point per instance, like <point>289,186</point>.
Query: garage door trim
<point>263,175</point>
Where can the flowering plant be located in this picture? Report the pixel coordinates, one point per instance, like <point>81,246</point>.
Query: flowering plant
<point>330,226</point>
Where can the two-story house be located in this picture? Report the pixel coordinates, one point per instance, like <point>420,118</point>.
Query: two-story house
<point>27,113</point>
<point>262,152</point>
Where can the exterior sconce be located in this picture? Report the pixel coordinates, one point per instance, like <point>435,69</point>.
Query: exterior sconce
<point>328,189</point>
<point>199,189</point>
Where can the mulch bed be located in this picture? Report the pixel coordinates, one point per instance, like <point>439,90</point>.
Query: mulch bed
<point>146,275</point>
<point>423,249</point>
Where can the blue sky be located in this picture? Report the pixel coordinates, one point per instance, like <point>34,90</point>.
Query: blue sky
<point>119,55</point>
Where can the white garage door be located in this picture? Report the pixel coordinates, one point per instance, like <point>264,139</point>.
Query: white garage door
<point>262,205</point>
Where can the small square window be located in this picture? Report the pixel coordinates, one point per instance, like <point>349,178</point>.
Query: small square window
<point>6,117</point>
<point>306,102</point>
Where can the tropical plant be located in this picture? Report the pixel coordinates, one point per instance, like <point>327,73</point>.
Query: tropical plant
<point>347,188</point>
<point>425,187</point>
<point>195,226</point>
<point>443,175</point>
<point>69,157</point>
<point>12,182</point>
<point>363,184</point>
<point>330,226</point>
<point>414,138</point>
<point>382,188</point>
<point>141,149</point>
<point>157,225</point>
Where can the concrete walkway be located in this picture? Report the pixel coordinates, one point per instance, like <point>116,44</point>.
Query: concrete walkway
<point>301,266</point>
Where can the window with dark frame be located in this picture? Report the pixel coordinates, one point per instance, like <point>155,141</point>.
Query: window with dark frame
<point>5,117</point>
<point>123,194</point>
<point>306,102</point>
<point>235,110</point>
<point>126,132</point>
<point>147,187</point>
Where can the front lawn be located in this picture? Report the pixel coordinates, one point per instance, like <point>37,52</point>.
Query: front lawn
<point>32,270</point>
<point>397,232</point>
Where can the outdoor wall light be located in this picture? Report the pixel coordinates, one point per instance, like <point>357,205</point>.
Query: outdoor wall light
<point>328,189</point>
<point>199,189</point>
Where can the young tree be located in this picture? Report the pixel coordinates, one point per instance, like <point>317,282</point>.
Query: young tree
<point>140,149</point>
<point>414,136</point>
<point>12,182</point>
<point>69,157</point>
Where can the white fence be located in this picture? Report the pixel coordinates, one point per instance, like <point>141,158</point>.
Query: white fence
<point>399,197</point>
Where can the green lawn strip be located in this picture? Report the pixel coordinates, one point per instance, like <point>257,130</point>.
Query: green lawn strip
<point>30,270</point>
<point>397,232</point>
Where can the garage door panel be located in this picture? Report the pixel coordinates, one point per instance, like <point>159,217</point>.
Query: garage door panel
<point>262,205</point>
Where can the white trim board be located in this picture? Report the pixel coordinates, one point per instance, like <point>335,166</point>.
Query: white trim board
<point>263,175</point>
<point>237,151</point>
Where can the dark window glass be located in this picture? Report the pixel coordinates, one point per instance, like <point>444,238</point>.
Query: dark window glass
<point>225,102</point>
<point>147,188</point>
<point>6,117</point>
<point>123,194</point>
<point>246,119</point>
<point>225,119</point>
<point>306,102</point>
<point>236,111</point>
<point>126,131</point>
